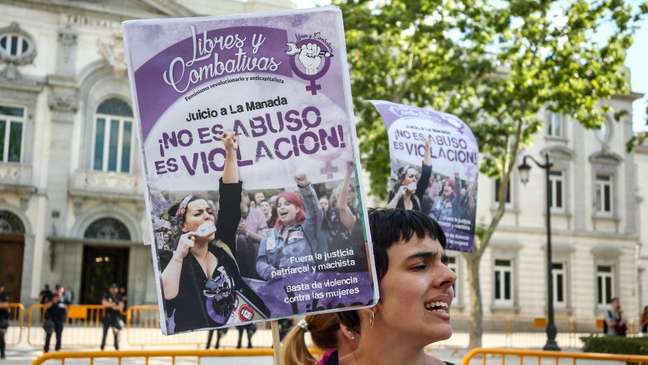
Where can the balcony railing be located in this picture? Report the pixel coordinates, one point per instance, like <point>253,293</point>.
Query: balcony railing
<point>15,174</point>
<point>105,183</point>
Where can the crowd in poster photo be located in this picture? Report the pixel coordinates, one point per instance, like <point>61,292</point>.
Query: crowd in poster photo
<point>438,195</point>
<point>215,248</point>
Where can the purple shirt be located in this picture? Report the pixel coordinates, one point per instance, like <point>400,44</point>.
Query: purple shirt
<point>255,221</point>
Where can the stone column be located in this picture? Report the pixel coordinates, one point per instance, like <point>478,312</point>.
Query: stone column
<point>630,190</point>
<point>72,262</point>
<point>139,274</point>
<point>66,52</point>
<point>581,177</point>
<point>63,102</point>
<point>27,275</point>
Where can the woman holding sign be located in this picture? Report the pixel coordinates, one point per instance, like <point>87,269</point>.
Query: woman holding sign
<point>415,292</point>
<point>201,282</point>
<point>410,189</point>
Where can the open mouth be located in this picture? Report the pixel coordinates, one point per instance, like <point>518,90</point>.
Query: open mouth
<point>438,306</point>
<point>283,215</point>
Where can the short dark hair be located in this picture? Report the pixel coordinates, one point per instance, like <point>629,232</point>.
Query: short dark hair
<point>389,227</point>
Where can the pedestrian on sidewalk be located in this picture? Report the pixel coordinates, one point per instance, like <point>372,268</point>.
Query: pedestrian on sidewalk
<point>114,305</point>
<point>124,296</point>
<point>4,319</point>
<point>68,296</point>
<point>327,333</point>
<point>46,294</point>
<point>415,292</point>
<point>63,294</point>
<point>615,324</point>
<point>55,316</point>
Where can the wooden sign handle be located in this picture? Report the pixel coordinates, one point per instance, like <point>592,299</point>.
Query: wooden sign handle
<point>276,342</point>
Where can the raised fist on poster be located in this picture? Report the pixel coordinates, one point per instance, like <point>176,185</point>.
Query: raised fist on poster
<point>230,141</point>
<point>310,57</point>
<point>302,180</point>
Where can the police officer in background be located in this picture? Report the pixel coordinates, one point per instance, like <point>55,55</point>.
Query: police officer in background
<point>4,318</point>
<point>55,316</point>
<point>46,294</point>
<point>114,304</point>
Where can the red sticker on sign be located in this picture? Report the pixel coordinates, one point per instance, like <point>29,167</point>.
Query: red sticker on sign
<point>246,312</point>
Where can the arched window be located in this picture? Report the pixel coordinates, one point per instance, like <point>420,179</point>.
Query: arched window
<point>107,229</point>
<point>10,223</point>
<point>113,136</point>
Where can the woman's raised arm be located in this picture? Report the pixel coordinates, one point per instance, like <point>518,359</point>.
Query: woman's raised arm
<point>230,171</point>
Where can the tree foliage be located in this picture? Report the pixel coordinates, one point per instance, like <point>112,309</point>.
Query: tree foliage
<point>494,64</point>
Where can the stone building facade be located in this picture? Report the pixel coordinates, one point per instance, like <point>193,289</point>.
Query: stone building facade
<point>595,229</point>
<point>642,194</point>
<point>71,197</point>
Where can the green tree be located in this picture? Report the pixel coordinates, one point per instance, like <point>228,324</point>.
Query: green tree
<point>494,64</point>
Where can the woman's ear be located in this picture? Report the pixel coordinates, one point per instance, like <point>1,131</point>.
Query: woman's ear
<point>348,333</point>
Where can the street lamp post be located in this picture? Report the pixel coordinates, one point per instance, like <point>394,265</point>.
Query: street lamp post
<point>524,169</point>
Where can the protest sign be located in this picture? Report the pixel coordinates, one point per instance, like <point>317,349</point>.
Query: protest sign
<point>293,238</point>
<point>444,187</point>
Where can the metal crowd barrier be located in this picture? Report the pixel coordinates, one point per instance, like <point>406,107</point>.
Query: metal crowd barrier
<point>262,356</point>
<point>80,329</point>
<point>143,329</point>
<point>570,326</point>
<point>489,356</point>
<point>16,325</point>
<point>265,356</point>
<point>83,327</point>
<point>510,328</point>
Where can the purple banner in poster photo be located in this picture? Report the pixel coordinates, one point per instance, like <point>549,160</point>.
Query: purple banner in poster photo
<point>435,168</point>
<point>251,164</point>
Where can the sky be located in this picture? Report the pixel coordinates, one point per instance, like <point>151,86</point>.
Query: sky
<point>636,60</point>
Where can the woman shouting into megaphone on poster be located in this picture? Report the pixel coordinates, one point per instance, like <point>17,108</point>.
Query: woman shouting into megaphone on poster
<point>201,282</point>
